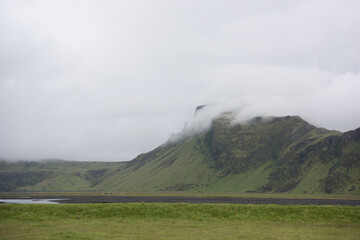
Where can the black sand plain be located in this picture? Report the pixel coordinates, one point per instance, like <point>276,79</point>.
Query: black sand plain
<point>196,200</point>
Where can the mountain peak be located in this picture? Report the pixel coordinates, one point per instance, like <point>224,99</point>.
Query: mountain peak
<point>276,154</point>
<point>198,108</point>
<point>263,154</point>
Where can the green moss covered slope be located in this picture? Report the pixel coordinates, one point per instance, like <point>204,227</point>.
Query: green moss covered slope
<point>283,154</point>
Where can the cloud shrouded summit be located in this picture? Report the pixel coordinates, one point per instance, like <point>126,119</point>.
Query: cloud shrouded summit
<point>107,80</point>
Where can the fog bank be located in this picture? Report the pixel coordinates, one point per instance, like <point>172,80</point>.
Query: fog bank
<point>107,80</point>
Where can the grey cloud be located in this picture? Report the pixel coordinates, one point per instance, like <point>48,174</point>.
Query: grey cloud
<point>107,80</point>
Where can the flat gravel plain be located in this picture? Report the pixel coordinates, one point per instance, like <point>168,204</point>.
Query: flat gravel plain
<point>179,199</point>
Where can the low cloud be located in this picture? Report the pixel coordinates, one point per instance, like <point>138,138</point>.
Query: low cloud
<point>107,80</point>
<point>324,98</point>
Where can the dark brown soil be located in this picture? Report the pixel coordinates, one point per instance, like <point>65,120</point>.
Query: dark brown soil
<point>175,199</point>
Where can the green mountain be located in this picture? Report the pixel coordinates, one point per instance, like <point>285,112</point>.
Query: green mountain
<point>280,154</point>
<point>283,154</point>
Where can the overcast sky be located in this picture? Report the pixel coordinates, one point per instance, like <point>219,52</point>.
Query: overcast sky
<point>107,80</point>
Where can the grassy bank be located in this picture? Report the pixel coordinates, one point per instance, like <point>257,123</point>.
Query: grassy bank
<point>178,221</point>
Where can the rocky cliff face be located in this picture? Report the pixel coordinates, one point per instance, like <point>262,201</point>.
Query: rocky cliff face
<point>236,147</point>
<point>291,148</point>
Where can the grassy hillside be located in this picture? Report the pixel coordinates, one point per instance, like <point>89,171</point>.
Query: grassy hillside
<point>173,167</point>
<point>52,175</point>
<point>282,154</point>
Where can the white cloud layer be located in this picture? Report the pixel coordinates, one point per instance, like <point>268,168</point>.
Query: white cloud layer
<point>107,80</point>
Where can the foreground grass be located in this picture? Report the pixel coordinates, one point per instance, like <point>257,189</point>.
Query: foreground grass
<point>178,221</point>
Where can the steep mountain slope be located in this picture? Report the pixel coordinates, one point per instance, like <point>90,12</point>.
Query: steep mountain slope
<point>179,167</point>
<point>273,154</point>
<point>279,154</point>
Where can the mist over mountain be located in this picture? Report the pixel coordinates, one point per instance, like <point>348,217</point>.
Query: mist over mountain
<point>105,88</point>
<point>261,154</point>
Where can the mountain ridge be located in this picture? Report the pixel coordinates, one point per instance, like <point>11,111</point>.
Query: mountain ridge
<point>277,154</point>
<point>231,159</point>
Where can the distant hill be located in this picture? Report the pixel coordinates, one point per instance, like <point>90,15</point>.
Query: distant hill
<point>52,175</point>
<point>279,154</point>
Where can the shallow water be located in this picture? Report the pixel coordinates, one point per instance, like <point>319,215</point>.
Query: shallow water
<point>30,201</point>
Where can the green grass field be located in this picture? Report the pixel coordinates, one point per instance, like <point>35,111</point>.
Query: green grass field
<point>178,221</point>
